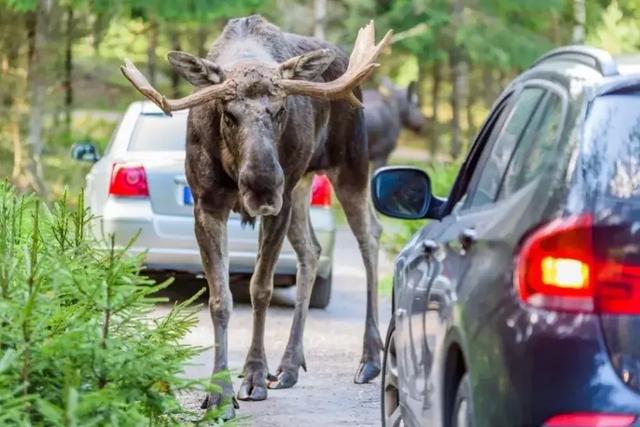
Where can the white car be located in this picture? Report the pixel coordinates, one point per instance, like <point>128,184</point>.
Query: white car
<point>139,186</point>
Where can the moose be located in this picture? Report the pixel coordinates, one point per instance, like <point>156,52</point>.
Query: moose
<point>269,109</point>
<point>387,110</point>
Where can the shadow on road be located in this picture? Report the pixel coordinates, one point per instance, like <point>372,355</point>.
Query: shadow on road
<point>184,286</point>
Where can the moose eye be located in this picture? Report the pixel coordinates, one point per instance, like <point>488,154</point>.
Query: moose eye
<point>229,119</point>
<point>280,114</point>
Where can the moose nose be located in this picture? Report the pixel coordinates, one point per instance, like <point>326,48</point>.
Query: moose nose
<point>266,210</point>
<point>261,204</point>
<point>260,181</point>
<point>261,193</point>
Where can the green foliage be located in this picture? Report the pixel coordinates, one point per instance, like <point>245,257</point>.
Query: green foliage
<point>78,343</point>
<point>619,32</point>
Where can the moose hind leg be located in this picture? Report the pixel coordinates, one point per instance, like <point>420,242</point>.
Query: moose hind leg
<point>304,242</point>
<point>367,230</point>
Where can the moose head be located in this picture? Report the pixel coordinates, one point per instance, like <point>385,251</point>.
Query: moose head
<point>410,112</point>
<point>250,102</point>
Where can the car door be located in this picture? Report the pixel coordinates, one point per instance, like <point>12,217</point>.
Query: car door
<point>474,253</point>
<point>416,267</point>
<point>474,211</point>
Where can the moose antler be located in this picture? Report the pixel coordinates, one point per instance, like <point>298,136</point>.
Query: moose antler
<point>140,82</point>
<point>361,65</point>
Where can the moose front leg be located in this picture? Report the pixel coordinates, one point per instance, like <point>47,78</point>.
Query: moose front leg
<point>211,233</point>
<point>272,231</point>
<point>302,238</point>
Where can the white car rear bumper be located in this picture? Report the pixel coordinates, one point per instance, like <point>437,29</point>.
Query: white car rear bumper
<point>169,242</point>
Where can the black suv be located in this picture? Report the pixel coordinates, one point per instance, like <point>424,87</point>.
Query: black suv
<point>519,304</point>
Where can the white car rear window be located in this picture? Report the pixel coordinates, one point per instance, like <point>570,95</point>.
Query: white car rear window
<point>157,132</point>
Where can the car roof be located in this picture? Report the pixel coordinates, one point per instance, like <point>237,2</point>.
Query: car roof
<point>148,107</point>
<point>607,67</point>
<point>591,67</point>
<point>628,63</point>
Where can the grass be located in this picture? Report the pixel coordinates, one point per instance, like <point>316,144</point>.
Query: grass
<point>385,285</point>
<point>60,171</point>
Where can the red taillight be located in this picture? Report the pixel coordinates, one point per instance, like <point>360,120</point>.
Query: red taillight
<point>321,191</point>
<point>554,266</point>
<point>589,419</point>
<point>128,181</point>
<point>558,269</point>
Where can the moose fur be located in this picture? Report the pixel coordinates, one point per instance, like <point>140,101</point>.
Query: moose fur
<point>256,153</point>
<point>387,110</point>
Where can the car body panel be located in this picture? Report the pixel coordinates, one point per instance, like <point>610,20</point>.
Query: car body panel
<point>526,364</point>
<point>611,165</point>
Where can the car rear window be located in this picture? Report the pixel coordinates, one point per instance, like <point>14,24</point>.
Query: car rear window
<point>157,132</point>
<point>612,144</point>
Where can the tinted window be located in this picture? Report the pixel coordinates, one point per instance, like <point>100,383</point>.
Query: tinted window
<point>612,144</point>
<point>496,156</point>
<point>156,132</point>
<point>536,147</point>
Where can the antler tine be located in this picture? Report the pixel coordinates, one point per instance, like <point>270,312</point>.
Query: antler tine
<point>364,40</point>
<point>140,82</point>
<point>361,65</point>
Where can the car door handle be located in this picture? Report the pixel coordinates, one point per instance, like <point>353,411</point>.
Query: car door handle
<point>430,246</point>
<point>468,237</point>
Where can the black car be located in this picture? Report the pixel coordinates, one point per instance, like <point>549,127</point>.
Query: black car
<point>519,304</point>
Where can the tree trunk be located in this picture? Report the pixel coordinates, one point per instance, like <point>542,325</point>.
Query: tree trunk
<point>29,166</point>
<point>489,86</point>
<point>152,47</point>
<point>68,71</point>
<point>471,126</point>
<point>17,175</point>
<point>11,90</point>
<point>579,20</point>
<point>435,104</point>
<point>458,78</point>
<point>201,38</point>
<point>319,18</point>
<point>174,36</point>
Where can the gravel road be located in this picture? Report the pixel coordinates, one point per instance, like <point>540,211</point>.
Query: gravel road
<point>326,394</point>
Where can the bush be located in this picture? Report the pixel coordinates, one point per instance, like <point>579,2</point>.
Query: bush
<point>78,345</point>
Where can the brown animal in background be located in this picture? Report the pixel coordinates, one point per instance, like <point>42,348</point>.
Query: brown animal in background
<point>387,110</point>
<point>253,144</point>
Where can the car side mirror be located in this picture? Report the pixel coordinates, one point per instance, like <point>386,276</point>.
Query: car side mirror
<point>402,192</point>
<point>85,152</point>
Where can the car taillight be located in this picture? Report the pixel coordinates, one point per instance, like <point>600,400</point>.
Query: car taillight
<point>128,181</point>
<point>590,419</point>
<point>558,268</point>
<point>321,191</point>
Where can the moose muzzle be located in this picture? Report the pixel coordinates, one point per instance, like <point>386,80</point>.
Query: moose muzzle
<point>261,188</point>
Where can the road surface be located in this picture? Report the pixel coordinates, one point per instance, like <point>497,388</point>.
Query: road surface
<point>326,394</point>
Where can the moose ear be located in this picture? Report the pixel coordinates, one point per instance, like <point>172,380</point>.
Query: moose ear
<point>195,70</point>
<point>308,66</point>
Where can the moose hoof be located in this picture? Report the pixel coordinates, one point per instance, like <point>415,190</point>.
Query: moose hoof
<point>283,379</point>
<point>252,392</point>
<point>216,401</point>
<point>366,372</point>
